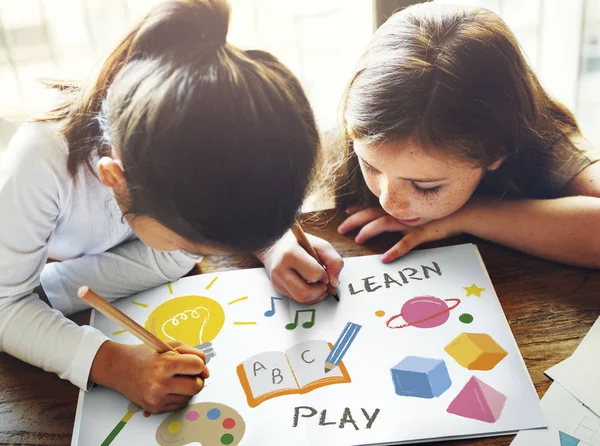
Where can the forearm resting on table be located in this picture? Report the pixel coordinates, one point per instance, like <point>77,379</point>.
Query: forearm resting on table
<point>565,230</point>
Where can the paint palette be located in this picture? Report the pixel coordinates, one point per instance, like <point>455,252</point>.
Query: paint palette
<point>212,424</point>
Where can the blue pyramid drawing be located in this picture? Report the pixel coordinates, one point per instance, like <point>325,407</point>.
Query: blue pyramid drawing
<point>567,440</point>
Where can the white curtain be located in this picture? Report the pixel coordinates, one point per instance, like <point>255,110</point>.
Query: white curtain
<point>320,40</point>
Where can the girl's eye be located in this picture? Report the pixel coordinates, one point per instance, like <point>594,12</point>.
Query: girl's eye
<point>426,191</point>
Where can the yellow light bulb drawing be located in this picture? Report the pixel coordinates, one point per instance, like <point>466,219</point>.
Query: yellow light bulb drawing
<point>191,319</point>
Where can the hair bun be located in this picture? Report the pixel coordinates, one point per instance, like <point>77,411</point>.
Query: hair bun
<point>178,24</point>
<point>212,17</point>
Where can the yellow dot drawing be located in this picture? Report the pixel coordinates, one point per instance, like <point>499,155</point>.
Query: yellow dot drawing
<point>190,319</point>
<point>244,323</point>
<point>174,427</point>
<point>473,290</point>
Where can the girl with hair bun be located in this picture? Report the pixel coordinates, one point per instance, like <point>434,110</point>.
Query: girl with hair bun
<point>181,145</point>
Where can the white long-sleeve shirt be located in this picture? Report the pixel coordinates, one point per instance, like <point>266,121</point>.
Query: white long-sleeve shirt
<point>43,214</point>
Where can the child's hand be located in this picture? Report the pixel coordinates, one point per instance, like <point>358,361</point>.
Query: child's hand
<point>294,273</point>
<point>374,221</point>
<point>158,382</point>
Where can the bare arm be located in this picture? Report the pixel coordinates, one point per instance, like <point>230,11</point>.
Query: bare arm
<point>565,229</point>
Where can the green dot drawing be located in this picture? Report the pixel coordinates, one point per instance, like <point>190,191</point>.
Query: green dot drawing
<point>465,318</point>
<point>227,439</point>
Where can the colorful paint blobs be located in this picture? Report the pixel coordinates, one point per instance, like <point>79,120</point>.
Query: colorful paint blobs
<point>192,415</point>
<point>465,318</point>
<point>478,401</point>
<point>476,351</point>
<point>211,424</point>
<point>174,427</point>
<point>227,439</point>
<point>567,440</point>
<point>191,319</point>
<point>421,377</point>
<point>380,313</point>
<point>228,423</point>
<point>213,414</point>
<point>424,312</point>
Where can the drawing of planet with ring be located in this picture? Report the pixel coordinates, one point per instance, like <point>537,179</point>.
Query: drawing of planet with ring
<point>424,312</point>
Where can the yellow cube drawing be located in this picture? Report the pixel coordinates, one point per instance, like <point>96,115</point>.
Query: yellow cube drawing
<point>476,351</point>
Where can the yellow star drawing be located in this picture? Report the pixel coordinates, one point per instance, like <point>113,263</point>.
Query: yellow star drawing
<point>473,290</point>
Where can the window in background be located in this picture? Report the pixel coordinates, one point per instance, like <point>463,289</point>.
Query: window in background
<point>588,99</point>
<point>561,41</point>
<point>319,40</point>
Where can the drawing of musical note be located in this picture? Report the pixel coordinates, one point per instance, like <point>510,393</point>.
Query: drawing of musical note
<point>271,312</point>
<point>307,324</point>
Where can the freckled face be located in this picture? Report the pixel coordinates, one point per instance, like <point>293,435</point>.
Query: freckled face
<point>413,186</point>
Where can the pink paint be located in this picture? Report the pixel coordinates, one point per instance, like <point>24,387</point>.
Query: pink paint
<point>192,415</point>
<point>478,401</point>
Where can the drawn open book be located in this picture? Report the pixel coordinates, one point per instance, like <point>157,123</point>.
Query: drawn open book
<point>300,369</point>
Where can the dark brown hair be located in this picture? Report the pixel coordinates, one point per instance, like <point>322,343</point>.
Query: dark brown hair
<point>218,144</point>
<point>451,80</point>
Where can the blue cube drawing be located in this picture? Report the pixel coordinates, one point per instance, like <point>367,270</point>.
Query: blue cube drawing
<point>421,377</point>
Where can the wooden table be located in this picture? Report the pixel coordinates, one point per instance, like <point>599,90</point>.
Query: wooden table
<point>550,308</point>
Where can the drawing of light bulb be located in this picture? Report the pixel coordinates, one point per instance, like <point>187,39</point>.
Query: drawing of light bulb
<point>194,320</point>
<point>187,326</point>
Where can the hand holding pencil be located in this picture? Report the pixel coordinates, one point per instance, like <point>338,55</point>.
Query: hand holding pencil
<point>305,243</point>
<point>302,267</point>
<point>159,376</point>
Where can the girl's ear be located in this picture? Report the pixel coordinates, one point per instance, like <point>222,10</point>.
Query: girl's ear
<point>496,164</point>
<point>111,175</point>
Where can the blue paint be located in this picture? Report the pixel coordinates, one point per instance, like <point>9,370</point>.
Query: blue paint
<point>213,414</point>
<point>420,377</point>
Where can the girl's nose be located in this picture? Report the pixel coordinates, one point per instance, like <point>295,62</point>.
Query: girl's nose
<point>392,199</point>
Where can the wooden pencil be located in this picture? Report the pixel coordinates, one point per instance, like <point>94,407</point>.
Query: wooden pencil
<point>305,243</point>
<point>108,310</point>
